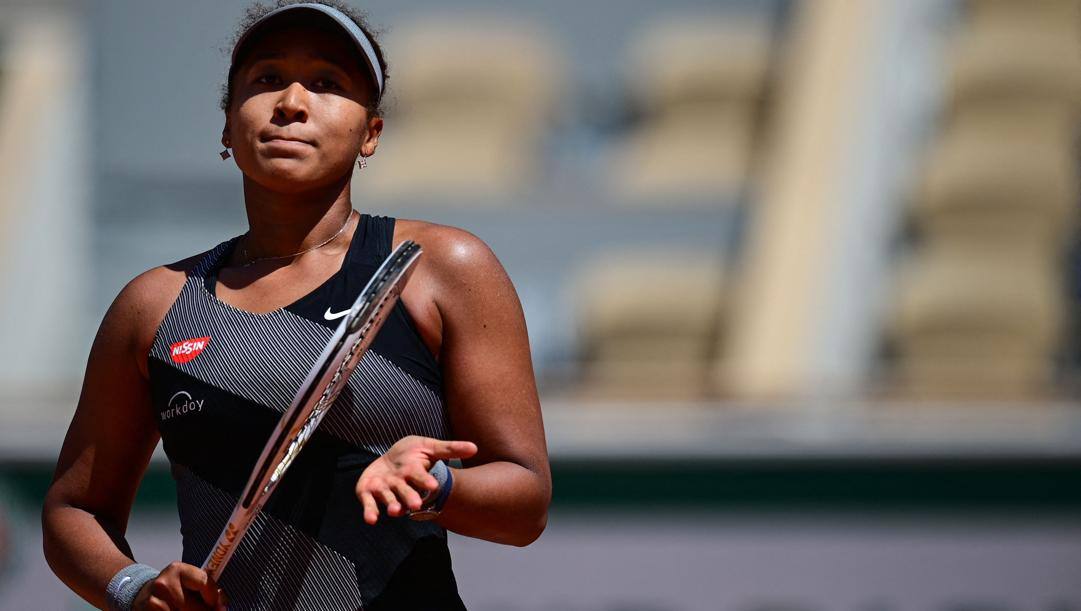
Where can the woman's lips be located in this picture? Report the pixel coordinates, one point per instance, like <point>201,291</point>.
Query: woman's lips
<point>287,145</point>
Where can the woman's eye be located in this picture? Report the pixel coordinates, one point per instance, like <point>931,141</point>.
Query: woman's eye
<point>273,79</point>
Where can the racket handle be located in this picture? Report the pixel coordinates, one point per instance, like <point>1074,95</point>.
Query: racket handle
<point>223,550</point>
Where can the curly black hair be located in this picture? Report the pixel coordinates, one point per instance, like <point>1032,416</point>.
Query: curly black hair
<point>258,10</point>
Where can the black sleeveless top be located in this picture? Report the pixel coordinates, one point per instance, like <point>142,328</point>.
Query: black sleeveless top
<point>220,379</point>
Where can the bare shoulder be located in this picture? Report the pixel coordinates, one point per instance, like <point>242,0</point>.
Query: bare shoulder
<point>460,288</point>
<point>156,288</point>
<point>452,254</point>
<point>154,285</point>
<point>141,305</point>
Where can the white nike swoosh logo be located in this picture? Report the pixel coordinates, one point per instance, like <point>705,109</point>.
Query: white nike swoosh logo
<point>334,315</point>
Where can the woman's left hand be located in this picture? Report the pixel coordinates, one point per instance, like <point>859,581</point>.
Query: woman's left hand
<point>394,478</point>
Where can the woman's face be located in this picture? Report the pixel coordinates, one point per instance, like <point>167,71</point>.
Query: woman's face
<point>297,119</point>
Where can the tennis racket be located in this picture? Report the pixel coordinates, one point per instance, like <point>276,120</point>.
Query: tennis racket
<point>315,396</point>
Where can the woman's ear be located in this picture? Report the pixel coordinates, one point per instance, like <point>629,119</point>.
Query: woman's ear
<point>371,137</point>
<point>225,136</point>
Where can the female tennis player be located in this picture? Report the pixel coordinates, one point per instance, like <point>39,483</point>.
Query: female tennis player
<point>207,352</point>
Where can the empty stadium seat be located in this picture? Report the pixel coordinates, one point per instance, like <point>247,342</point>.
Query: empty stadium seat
<point>471,102</point>
<point>980,309</point>
<point>978,321</point>
<point>1017,49</point>
<point>1005,172</point>
<point>698,83</point>
<point>648,323</point>
<point>1055,11</point>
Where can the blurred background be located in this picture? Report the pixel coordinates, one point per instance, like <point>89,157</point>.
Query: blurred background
<point>801,277</point>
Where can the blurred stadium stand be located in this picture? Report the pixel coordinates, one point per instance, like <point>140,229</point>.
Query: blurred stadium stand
<point>649,324</point>
<point>981,309</point>
<point>44,199</point>
<point>774,255</point>
<point>697,84</point>
<point>474,100</point>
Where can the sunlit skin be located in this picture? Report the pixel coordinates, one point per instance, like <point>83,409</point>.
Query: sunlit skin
<point>303,84</point>
<point>305,88</point>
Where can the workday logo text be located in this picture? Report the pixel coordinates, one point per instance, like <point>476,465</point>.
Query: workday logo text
<point>180,404</point>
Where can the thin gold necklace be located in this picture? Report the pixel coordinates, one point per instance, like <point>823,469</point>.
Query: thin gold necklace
<point>244,249</point>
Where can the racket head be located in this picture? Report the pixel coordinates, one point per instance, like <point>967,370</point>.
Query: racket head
<point>321,387</point>
<point>371,310</point>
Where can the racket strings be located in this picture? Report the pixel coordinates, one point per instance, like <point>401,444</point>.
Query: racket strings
<point>368,318</point>
<point>332,390</point>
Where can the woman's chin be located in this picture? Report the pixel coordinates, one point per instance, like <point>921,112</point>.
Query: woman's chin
<point>292,173</point>
<point>287,175</point>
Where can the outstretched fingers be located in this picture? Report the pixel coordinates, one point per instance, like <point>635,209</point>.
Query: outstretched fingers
<point>391,501</point>
<point>400,479</point>
<point>421,480</point>
<point>408,496</point>
<point>371,509</point>
<point>440,449</point>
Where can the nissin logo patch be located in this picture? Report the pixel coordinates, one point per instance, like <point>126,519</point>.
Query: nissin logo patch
<point>184,351</point>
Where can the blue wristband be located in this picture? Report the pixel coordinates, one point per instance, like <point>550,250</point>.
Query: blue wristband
<point>444,487</point>
<point>434,499</point>
<point>125,586</point>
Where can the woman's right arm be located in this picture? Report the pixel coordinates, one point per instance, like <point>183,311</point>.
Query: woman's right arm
<point>108,444</point>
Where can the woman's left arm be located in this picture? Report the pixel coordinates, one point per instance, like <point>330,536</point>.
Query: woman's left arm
<point>503,491</point>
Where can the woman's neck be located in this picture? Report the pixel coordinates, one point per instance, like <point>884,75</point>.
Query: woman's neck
<point>283,223</point>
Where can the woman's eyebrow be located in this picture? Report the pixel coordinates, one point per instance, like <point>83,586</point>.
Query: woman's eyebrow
<point>271,55</point>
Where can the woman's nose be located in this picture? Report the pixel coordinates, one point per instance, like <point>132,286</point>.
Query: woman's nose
<point>292,105</point>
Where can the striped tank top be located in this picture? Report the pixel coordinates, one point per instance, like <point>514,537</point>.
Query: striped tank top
<point>220,379</point>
